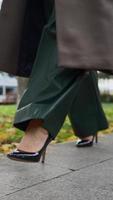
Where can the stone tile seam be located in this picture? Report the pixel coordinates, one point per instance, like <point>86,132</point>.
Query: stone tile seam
<point>62,175</point>
<point>87,166</point>
<point>91,165</point>
<point>36,184</point>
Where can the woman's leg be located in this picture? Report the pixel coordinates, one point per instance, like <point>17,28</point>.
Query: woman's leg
<point>86,114</point>
<point>49,94</point>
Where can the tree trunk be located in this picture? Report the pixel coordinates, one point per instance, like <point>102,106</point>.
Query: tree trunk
<point>22,84</point>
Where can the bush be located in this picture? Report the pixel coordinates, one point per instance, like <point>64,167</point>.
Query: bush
<point>106,98</point>
<point>9,135</point>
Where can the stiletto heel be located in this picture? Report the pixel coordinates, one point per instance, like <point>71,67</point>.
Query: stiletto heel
<point>86,142</point>
<point>19,155</point>
<point>43,156</point>
<point>96,138</point>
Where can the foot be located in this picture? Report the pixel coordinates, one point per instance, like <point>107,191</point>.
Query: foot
<point>85,142</point>
<point>32,146</point>
<point>34,138</point>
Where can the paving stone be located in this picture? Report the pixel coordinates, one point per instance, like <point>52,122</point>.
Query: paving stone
<point>69,173</point>
<point>68,156</point>
<point>92,183</point>
<point>16,175</point>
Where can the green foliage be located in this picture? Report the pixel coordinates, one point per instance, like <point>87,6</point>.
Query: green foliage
<point>66,133</point>
<point>107,98</point>
<point>108,109</point>
<point>7,110</point>
<point>15,137</point>
<point>9,135</point>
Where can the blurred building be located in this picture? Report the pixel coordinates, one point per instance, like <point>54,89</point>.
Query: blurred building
<point>8,89</point>
<point>0,3</point>
<point>106,85</point>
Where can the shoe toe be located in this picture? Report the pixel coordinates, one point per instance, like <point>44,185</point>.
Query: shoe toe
<point>84,143</point>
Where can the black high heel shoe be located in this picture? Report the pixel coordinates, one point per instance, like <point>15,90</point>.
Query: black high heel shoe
<point>24,156</point>
<point>86,142</point>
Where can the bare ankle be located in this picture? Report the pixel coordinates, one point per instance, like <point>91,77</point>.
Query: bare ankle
<point>35,127</point>
<point>33,139</point>
<point>42,130</point>
<point>87,138</point>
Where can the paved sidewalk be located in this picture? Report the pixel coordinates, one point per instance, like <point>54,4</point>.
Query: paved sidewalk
<point>69,173</point>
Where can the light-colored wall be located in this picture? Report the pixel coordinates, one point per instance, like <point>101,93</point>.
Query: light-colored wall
<point>1,3</point>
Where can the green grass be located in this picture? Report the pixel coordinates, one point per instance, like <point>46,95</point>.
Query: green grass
<point>7,110</point>
<point>108,109</point>
<point>8,134</point>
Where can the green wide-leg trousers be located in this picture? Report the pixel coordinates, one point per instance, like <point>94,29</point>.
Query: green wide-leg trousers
<point>86,113</point>
<point>53,93</point>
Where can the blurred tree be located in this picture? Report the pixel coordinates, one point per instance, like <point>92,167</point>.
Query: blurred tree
<point>22,84</point>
